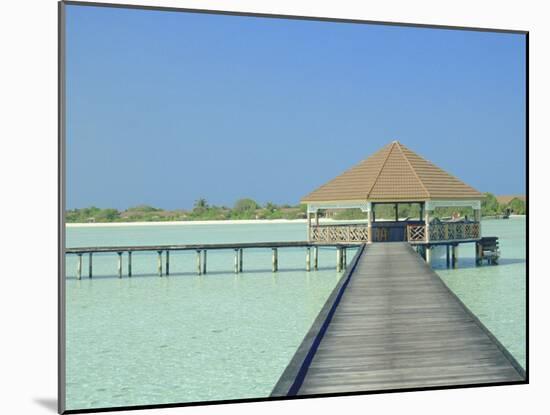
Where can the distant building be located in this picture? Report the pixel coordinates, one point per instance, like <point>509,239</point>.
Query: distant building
<point>505,199</point>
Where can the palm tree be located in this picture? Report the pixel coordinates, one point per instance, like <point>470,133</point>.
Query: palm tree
<point>200,205</point>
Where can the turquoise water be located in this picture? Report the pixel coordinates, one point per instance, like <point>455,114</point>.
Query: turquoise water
<point>182,338</point>
<point>147,340</point>
<point>495,294</point>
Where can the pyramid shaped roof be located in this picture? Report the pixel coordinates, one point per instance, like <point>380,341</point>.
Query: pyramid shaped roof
<point>394,173</point>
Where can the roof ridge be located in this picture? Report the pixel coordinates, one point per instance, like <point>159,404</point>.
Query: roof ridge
<point>413,170</point>
<point>392,145</point>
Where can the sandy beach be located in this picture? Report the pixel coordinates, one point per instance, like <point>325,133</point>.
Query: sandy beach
<point>189,222</point>
<point>214,222</point>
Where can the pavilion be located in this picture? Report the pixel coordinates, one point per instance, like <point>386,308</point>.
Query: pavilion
<point>396,176</point>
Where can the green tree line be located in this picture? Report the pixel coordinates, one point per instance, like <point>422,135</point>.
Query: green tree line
<point>247,208</point>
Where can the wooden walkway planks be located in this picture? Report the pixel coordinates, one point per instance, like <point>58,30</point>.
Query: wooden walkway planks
<point>398,326</point>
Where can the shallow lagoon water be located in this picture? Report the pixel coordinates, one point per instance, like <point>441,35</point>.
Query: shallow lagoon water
<point>146,339</point>
<point>495,294</point>
<point>151,340</point>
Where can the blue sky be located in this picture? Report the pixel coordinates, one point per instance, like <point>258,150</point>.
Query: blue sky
<point>164,107</point>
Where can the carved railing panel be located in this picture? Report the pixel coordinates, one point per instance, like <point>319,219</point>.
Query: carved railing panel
<point>340,233</point>
<point>444,231</point>
<point>416,233</point>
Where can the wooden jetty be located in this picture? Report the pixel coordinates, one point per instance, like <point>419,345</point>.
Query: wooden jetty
<point>201,254</point>
<point>391,323</point>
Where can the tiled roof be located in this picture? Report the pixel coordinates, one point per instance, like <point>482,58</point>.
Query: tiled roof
<point>393,173</point>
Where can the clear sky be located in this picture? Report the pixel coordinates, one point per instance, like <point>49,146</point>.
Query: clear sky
<point>165,107</point>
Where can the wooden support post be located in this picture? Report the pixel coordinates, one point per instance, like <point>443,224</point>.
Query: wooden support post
<point>479,253</point>
<point>119,264</point>
<point>241,260</point>
<point>236,261</point>
<point>455,256</point>
<point>426,225</point>
<point>344,258</point>
<point>79,267</point>
<point>90,265</point>
<point>167,262</point>
<point>308,225</point>
<point>477,218</point>
<point>338,259</point>
<point>159,263</point>
<point>428,254</point>
<point>308,259</point>
<point>204,261</point>
<point>274,260</point>
<point>315,258</point>
<point>369,225</point>
<point>448,256</point>
<point>129,263</point>
<point>199,267</point>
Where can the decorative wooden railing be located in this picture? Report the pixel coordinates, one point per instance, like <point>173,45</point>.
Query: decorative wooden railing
<point>452,231</point>
<point>416,233</point>
<point>340,233</point>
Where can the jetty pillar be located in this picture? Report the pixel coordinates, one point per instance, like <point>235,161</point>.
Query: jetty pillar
<point>167,262</point>
<point>199,267</point>
<point>344,258</point>
<point>204,261</point>
<point>315,258</point>
<point>479,253</point>
<point>448,256</point>
<point>308,259</point>
<point>129,263</point>
<point>308,225</point>
<point>79,267</point>
<point>236,261</point>
<point>426,224</point>
<point>159,263</point>
<point>338,259</point>
<point>274,260</point>
<point>455,256</point>
<point>428,254</point>
<point>241,260</point>
<point>90,265</point>
<point>369,224</point>
<point>119,268</point>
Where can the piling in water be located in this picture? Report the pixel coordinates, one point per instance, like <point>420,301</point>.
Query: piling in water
<point>79,267</point>
<point>315,258</point>
<point>241,260</point>
<point>274,259</point>
<point>129,263</point>
<point>119,268</point>
<point>199,268</point>
<point>159,263</point>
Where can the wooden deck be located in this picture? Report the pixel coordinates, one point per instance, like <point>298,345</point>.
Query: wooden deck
<point>396,326</point>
